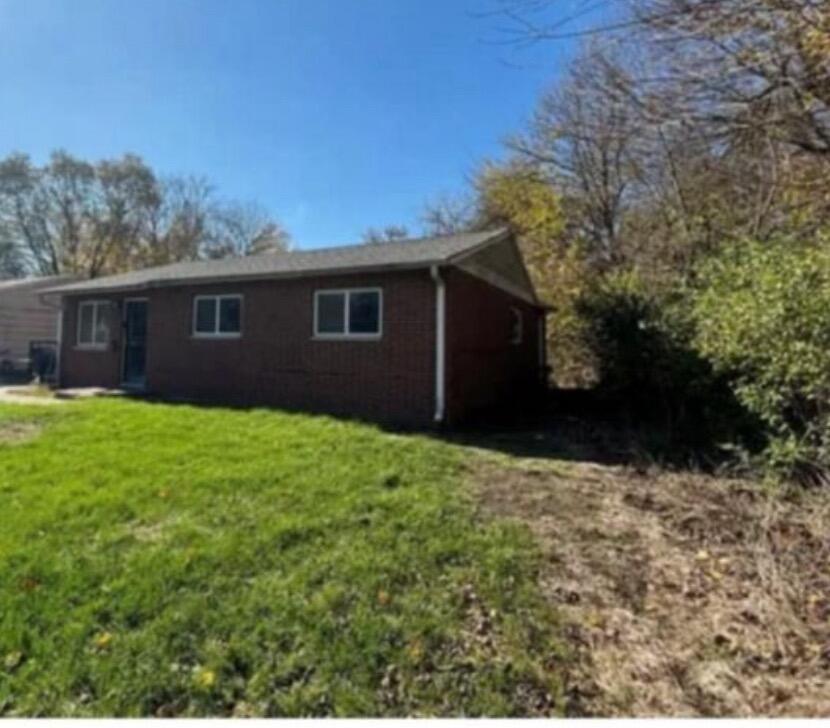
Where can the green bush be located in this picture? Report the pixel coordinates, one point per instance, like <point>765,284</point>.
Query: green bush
<point>642,340</point>
<point>763,318</point>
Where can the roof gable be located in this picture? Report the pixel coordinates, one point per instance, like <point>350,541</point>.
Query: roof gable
<point>501,264</point>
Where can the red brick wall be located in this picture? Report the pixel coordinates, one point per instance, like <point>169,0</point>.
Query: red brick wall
<point>485,371</point>
<point>277,361</point>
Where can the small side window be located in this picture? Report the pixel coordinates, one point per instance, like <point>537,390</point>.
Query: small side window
<point>516,326</point>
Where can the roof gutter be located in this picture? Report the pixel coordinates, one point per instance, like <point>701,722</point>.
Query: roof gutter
<point>440,343</point>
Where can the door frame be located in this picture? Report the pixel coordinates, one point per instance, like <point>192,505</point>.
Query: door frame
<point>124,382</point>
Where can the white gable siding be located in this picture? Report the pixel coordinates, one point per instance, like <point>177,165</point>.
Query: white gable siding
<point>501,265</point>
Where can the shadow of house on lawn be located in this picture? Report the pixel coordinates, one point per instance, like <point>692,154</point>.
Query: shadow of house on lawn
<point>553,437</point>
<point>590,426</point>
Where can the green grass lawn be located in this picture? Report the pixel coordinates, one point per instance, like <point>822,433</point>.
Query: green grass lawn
<point>174,560</point>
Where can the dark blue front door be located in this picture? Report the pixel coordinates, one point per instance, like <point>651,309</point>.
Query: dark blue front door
<point>135,342</point>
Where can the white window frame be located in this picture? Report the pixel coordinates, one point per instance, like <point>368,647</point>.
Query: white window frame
<point>347,293</point>
<point>217,299</point>
<point>517,326</point>
<point>97,307</point>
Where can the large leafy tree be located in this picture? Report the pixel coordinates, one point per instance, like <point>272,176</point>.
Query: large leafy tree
<point>91,219</point>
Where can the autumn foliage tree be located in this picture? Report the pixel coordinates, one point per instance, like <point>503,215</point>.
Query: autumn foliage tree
<point>522,198</point>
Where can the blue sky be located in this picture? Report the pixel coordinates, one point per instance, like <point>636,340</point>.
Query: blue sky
<point>336,115</point>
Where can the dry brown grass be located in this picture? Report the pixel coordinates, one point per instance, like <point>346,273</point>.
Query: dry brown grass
<point>686,594</point>
<point>28,394</point>
<point>15,433</point>
<point>39,391</point>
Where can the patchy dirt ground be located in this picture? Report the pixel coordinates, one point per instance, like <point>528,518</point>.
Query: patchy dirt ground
<point>13,433</point>
<point>686,595</point>
<point>27,394</point>
<point>37,394</point>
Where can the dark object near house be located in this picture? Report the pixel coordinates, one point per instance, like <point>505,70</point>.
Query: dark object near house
<point>411,332</point>
<point>43,356</point>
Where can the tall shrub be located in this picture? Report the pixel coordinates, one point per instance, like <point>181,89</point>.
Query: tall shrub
<point>648,367</point>
<point>763,318</point>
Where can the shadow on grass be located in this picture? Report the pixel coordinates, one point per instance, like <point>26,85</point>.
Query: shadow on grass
<point>554,438</point>
<point>587,426</point>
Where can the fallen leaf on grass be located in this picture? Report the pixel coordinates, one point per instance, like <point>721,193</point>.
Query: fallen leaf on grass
<point>13,660</point>
<point>103,640</point>
<point>205,679</point>
<point>416,651</point>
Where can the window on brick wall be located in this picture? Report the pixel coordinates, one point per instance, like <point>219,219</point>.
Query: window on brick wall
<point>93,324</point>
<point>217,316</point>
<point>355,313</point>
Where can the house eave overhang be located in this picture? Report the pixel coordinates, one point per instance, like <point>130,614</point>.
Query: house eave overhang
<point>239,278</point>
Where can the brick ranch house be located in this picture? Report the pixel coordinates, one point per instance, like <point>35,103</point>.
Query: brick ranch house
<point>413,332</point>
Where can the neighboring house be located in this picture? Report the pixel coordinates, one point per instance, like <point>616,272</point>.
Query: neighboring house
<point>411,332</point>
<point>25,319</point>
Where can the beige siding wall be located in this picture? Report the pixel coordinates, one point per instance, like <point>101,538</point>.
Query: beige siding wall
<point>24,318</point>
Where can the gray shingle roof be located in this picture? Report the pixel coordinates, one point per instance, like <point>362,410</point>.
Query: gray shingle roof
<point>416,253</point>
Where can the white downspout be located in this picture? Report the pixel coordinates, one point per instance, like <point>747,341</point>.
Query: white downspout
<point>440,342</point>
<point>59,347</point>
